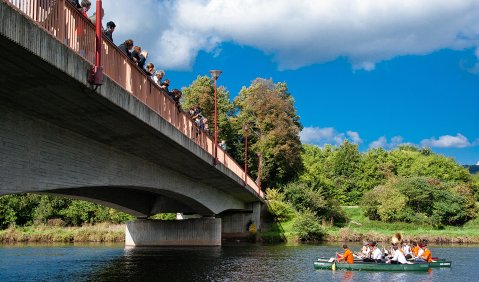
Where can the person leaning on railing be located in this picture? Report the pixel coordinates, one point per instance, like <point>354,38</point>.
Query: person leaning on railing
<point>84,7</point>
<point>125,47</point>
<point>159,76</point>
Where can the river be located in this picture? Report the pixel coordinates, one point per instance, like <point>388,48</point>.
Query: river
<point>101,262</point>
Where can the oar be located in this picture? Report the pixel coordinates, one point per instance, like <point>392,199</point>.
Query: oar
<point>333,267</point>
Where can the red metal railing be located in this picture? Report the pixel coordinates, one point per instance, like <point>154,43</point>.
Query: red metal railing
<point>62,20</point>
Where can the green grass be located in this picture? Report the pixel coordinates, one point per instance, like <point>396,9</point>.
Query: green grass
<point>102,232</point>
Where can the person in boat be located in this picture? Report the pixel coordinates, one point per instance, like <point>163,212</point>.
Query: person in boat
<point>426,255</point>
<point>347,256</point>
<point>415,249</point>
<point>406,249</point>
<point>398,256</point>
<point>420,252</point>
<point>376,254</point>
<point>365,251</point>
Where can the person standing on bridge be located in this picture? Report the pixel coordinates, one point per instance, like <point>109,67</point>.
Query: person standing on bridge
<point>110,28</point>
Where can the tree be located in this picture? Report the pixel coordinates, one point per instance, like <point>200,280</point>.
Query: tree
<point>273,126</point>
<point>420,198</point>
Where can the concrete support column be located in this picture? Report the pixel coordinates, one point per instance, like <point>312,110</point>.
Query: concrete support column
<point>190,232</point>
<point>235,224</point>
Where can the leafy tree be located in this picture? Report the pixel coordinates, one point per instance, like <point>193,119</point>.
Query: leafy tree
<point>49,207</point>
<point>267,109</point>
<point>420,198</point>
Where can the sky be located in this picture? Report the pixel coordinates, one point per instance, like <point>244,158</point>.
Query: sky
<point>378,73</point>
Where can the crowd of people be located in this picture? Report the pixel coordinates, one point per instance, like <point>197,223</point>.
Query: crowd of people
<point>139,58</point>
<point>200,121</point>
<point>398,253</point>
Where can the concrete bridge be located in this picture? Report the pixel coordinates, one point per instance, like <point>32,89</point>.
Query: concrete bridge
<point>124,144</point>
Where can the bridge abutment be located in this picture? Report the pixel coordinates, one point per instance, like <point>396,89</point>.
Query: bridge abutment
<point>189,232</point>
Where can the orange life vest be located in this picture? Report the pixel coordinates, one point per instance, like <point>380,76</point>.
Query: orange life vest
<point>415,251</point>
<point>348,256</point>
<point>427,255</point>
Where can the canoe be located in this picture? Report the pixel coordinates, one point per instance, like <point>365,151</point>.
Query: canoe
<point>371,266</point>
<point>440,263</point>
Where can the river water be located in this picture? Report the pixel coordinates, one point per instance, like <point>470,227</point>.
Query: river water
<point>227,263</point>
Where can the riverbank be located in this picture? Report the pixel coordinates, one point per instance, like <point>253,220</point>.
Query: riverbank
<point>103,232</point>
<point>361,229</point>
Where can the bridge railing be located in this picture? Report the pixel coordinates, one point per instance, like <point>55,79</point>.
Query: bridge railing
<point>63,21</point>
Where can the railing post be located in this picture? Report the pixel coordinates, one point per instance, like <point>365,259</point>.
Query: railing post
<point>95,74</point>
<point>61,24</point>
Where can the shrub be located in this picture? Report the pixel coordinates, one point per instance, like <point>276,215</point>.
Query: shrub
<point>164,216</point>
<point>421,200</point>
<point>304,198</point>
<point>282,210</point>
<point>307,227</point>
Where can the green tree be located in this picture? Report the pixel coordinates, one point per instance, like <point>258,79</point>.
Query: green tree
<point>267,109</point>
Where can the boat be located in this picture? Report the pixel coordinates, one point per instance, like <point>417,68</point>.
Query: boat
<point>440,263</point>
<point>370,266</point>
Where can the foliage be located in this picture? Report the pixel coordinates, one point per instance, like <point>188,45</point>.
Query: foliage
<point>267,109</point>
<point>304,198</point>
<point>421,199</point>
<point>27,209</point>
<point>307,227</point>
<point>334,171</point>
<point>164,216</point>
<point>282,210</point>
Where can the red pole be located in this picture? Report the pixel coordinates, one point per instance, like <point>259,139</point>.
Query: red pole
<point>246,155</point>
<point>98,34</point>
<point>216,128</point>
<point>95,74</point>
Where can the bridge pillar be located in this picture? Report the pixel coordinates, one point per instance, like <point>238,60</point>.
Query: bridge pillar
<point>235,225</point>
<point>189,232</point>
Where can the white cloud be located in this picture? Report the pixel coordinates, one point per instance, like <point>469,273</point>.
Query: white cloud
<point>448,141</point>
<point>327,135</point>
<point>354,136</point>
<point>297,33</point>
<point>477,163</point>
<point>382,142</point>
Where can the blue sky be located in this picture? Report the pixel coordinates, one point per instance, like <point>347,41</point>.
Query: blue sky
<point>378,73</point>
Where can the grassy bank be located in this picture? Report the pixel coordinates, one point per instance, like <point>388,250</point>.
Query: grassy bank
<point>361,228</point>
<point>103,232</point>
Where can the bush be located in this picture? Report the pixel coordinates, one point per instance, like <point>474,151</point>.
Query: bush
<point>164,216</point>
<point>282,210</point>
<point>307,227</point>
<point>421,200</point>
<point>305,198</point>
